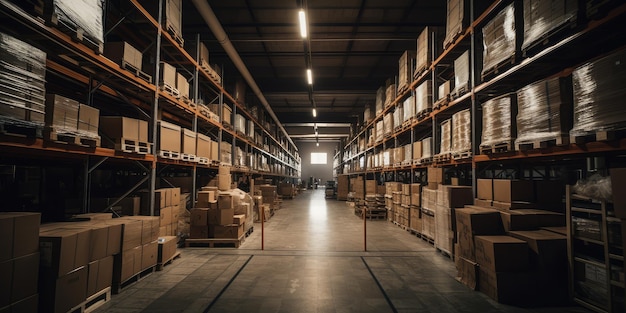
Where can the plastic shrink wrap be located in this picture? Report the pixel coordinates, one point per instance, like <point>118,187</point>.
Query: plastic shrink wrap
<point>499,38</point>
<point>427,151</point>
<point>380,100</point>
<point>409,108</point>
<point>544,110</point>
<point>424,50</point>
<point>497,126</point>
<point>388,124</point>
<point>461,131</point>
<point>446,137</point>
<point>456,19</point>
<point>405,70</point>
<point>84,14</point>
<point>423,97</point>
<point>599,95</point>
<point>542,17</point>
<point>390,94</point>
<point>398,116</point>
<point>22,82</point>
<point>461,74</point>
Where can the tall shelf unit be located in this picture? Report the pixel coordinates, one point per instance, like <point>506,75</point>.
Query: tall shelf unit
<point>555,55</point>
<point>80,69</point>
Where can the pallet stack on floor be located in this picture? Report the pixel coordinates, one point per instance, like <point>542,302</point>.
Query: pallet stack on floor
<point>166,207</point>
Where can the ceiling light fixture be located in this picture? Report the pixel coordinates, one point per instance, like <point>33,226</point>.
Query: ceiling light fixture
<point>302,19</point>
<point>314,112</point>
<point>309,76</point>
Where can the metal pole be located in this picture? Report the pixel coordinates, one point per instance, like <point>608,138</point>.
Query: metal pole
<point>364,228</point>
<point>155,110</point>
<point>262,227</point>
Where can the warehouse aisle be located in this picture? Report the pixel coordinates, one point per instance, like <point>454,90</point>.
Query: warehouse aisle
<point>313,262</point>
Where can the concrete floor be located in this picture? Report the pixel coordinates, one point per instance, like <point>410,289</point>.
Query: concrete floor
<point>314,261</point>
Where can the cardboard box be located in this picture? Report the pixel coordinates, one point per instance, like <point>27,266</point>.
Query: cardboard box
<point>19,278</point>
<point>61,113</point>
<point>417,150</point>
<point>484,189</point>
<point>169,137</point>
<point>239,219</point>
<point>199,231</point>
<point>435,175</point>
<point>182,85</point>
<point>149,227</point>
<point>457,196</point>
<point>545,218</point>
<point>118,127</point>
<point>199,217</point>
<point>19,234</point>
<point>92,216</point>
<point>63,293</point>
<point>548,250</point>
<point>512,288</point>
<point>505,190</point>
<point>166,248</point>
<point>550,195</point>
<point>215,151</point>
<point>467,272</point>
<point>128,265</point>
<point>149,254</point>
<point>475,221</point>
<point>501,253</point>
<point>173,196</point>
<point>167,74</point>
<point>203,146</point>
<point>30,304</point>
<point>88,119</point>
<point>225,201</point>
<point>228,231</point>
<point>224,181</point>
<point>188,140</point>
<point>483,203</point>
<point>100,275</point>
<point>123,52</point>
<point>99,238</point>
<point>165,216</point>
<point>63,250</point>
<point>131,232</point>
<point>204,198</point>
<point>515,220</point>
<point>221,216</point>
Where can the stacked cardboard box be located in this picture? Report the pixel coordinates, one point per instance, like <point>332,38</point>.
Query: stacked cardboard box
<point>25,73</point>
<point>169,137</point>
<point>423,98</point>
<point>182,85</point>
<point>343,187</point>
<point>226,153</point>
<point>166,248</point>
<point>461,133</point>
<point>500,39</point>
<point>380,100</point>
<point>428,211</point>
<point>409,109</point>
<point>457,19</point>
<point>461,74</point>
<point>216,220</point>
<point>188,148</point>
<point>270,195</point>
<point>287,190</point>
<point>78,260</point>
<point>122,130</point>
<point>425,49</point>
<point>448,199</point>
<point>498,121</point>
<point>19,261</point>
<point>67,116</point>
<point>445,145</point>
<point>166,207</point>
<point>406,70</point>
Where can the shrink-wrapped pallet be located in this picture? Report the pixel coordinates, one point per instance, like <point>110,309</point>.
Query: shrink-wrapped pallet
<point>380,100</point>
<point>445,146</point>
<point>544,110</point>
<point>427,149</point>
<point>86,15</point>
<point>599,95</point>
<point>405,70</point>
<point>542,18</point>
<point>461,131</point>
<point>497,121</point>
<point>423,97</point>
<point>409,108</point>
<point>461,74</point>
<point>500,41</point>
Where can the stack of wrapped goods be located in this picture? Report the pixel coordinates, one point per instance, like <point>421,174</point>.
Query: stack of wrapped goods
<point>86,16</point>
<point>19,261</point>
<point>342,187</point>
<point>542,19</point>
<point>392,190</point>
<point>169,140</point>
<point>461,75</point>
<point>388,124</point>
<point>457,20</point>
<point>24,69</point>
<point>424,55</point>
<point>70,121</point>
<point>423,99</point>
<point>445,145</point>
<point>405,70</point>
<point>390,94</point>
<point>226,153</point>
<point>461,134</point>
<point>449,198</point>
<point>125,134</point>
<point>166,207</point>
<point>380,100</point>
<point>597,97</point>
<point>416,152</point>
<point>415,217</point>
<point>443,93</point>
<point>409,110</point>
<point>499,128</point>
<point>287,190</point>
<point>427,150</point>
<point>380,131</point>
<point>270,195</point>
<point>521,254</point>
<point>544,113</point>
<point>500,41</point>
<point>428,211</point>
<point>398,116</point>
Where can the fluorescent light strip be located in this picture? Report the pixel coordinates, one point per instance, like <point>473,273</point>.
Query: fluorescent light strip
<point>314,112</point>
<point>302,19</point>
<point>309,76</point>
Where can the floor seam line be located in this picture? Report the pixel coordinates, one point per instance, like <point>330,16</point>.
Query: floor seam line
<point>227,285</point>
<point>380,286</point>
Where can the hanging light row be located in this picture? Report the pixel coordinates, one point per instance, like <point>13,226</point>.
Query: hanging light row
<point>302,18</point>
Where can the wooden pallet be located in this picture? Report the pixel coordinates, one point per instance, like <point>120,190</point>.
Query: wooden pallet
<point>116,288</point>
<point>428,239</point>
<point>426,160</point>
<point>423,114</point>
<point>159,266</point>
<point>442,157</point>
<point>136,71</point>
<point>442,103</point>
<point>215,242</point>
<point>499,68</point>
<point>249,232</point>
<point>169,155</point>
<point>20,128</point>
<point>500,147</point>
<point>76,33</point>
<point>445,252</point>
<point>177,37</point>
<point>143,147</point>
<point>416,161</point>
<point>459,92</point>
<point>203,161</point>
<point>55,135</point>
<point>187,101</point>
<point>454,37</point>
<point>170,90</point>
<point>211,72</point>
<point>93,302</point>
<point>542,144</point>
<point>418,71</point>
<point>462,155</point>
<point>551,37</point>
<point>606,135</point>
<point>188,157</point>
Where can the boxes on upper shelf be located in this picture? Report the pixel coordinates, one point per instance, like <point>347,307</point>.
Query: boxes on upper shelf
<point>169,137</point>
<point>123,54</point>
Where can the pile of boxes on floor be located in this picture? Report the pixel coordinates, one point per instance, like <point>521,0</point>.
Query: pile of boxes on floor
<point>60,266</point>
<point>509,250</point>
<point>403,203</point>
<point>221,212</point>
<point>269,200</point>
